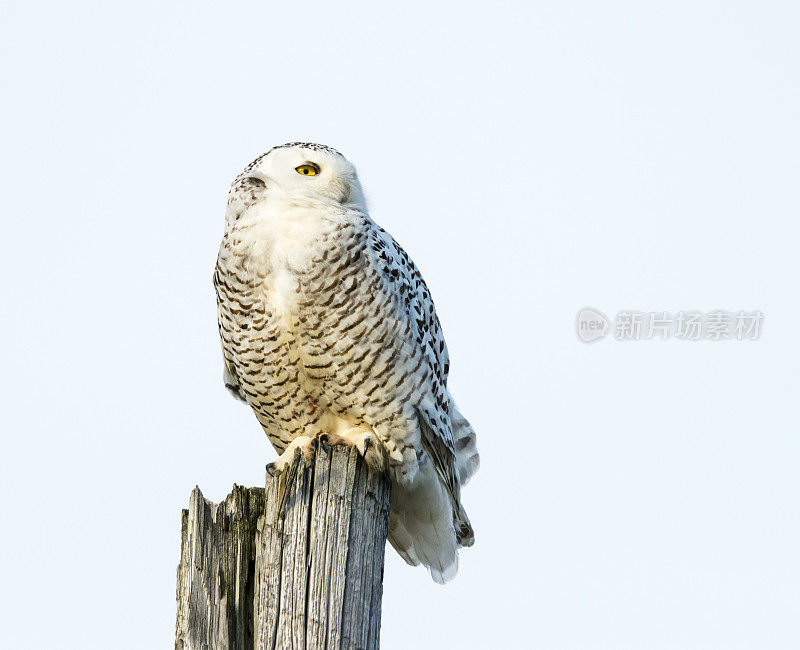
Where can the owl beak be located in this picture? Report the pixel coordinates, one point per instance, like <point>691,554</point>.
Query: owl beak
<point>259,179</point>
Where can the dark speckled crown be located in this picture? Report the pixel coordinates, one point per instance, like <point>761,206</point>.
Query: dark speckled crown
<point>303,145</point>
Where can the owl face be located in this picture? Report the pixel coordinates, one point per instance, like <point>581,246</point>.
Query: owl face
<point>299,173</point>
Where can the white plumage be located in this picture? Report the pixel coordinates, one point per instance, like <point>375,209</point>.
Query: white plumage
<point>328,328</point>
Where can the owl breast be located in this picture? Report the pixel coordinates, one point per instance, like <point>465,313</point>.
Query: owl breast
<point>290,325</point>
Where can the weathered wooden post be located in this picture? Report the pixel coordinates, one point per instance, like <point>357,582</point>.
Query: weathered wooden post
<point>310,576</point>
<point>216,580</point>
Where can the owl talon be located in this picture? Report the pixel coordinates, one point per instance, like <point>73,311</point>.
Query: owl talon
<point>364,440</point>
<point>301,447</point>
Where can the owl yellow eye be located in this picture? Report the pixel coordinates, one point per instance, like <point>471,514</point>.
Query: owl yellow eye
<point>309,169</point>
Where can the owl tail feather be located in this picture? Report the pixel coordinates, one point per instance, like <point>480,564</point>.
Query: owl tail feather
<point>455,465</point>
<point>421,525</point>
<point>428,522</point>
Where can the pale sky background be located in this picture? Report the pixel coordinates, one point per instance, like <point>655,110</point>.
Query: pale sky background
<point>533,158</point>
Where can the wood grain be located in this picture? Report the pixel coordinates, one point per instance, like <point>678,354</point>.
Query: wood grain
<point>308,577</point>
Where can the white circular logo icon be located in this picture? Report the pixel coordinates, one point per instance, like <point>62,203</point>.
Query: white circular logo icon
<point>591,325</point>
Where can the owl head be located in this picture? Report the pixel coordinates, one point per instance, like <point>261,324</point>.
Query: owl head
<point>301,173</point>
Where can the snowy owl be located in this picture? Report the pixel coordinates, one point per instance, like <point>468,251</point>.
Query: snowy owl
<point>329,333</point>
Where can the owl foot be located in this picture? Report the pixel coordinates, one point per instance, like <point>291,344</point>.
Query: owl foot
<point>364,440</point>
<point>303,447</point>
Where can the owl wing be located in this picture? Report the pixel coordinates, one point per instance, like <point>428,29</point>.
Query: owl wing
<point>413,302</point>
<point>229,376</point>
<point>231,381</point>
